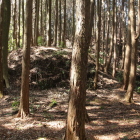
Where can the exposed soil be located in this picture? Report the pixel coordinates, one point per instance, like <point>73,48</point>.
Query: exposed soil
<point>111,118</point>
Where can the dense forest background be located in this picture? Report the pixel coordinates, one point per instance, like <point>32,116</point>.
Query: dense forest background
<point>73,60</point>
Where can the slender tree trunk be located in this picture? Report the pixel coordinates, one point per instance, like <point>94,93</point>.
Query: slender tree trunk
<point>131,84</point>
<point>5,27</point>
<point>98,42</point>
<point>73,21</point>
<point>36,28</point>
<point>59,25</point>
<point>49,27</point>
<point>1,70</point>
<point>115,38</point>
<point>111,48</point>
<point>127,61</point>
<point>56,23</point>
<point>23,21</point>
<point>123,34</point>
<point>41,19</point>
<point>103,29</point>
<point>18,27</point>
<point>107,38</point>
<point>15,24</point>
<point>24,99</point>
<point>64,26</point>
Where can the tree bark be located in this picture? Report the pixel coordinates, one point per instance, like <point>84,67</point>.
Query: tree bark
<point>73,21</point>
<point>1,70</point>
<point>5,27</point>
<point>127,60</point>
<point>59,32</point>
<point>114,38</point>
<point>49,27</point>
<point>98,42</point>
<point>56,23</point>
<point>111,48</point>
<point>75,129</point>
<point>64,27</point>
<point>18,28</point>
<point>107,37</point>
<point>131,84</point>
<point>36,28</point>
<point>23,21</point>
<point>24,99</point>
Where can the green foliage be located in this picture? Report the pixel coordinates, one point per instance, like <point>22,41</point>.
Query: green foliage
<point>61,45</point>
<point>138,89</point>
<point>101,61</point>
<point>138,67</point>
<point>53,103</point>
<point>11,44</point>
<point>15,105</point>
<point>102,53</point>
<point>11,41</point>
<point>102,107</point>
<point>60,53</point>
<point>40,41</point>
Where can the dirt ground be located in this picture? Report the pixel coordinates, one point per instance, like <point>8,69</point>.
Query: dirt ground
<point>111,118</point>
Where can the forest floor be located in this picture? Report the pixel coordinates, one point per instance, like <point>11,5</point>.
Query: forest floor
<point>111,118</point>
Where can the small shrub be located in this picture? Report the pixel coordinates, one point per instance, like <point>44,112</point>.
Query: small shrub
<point>138,89</point>
<point>15,105</point>
<point>40,40</point>
<point>53,103</point>
<point>60,53</point>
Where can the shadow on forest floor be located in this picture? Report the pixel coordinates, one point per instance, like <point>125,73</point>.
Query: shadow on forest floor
<point>111,118</point>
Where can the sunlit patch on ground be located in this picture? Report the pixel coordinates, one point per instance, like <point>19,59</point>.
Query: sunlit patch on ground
<point>111,118</point>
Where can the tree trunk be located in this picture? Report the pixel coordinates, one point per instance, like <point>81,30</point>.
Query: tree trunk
<point>41,18</point>
<point>127,60</point>
<point>75,129</point>
<point>5,27</point>
<point>24,99</point>
<point>107,37</point>
<point>73,21</point>
<point>123,34</point>
<point>18,28</point>
<point>23,21</point>
<point>115,38</point>
<point>56,23</point>
<point>111,48</point>
<point>98,42</point>
<point>1,71</point>
<point>131,84</point>
<point>15,24</point>
<point>49,27</point>
<point>36,28</point>
<point>64,27</point>
<point>59,32</point>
